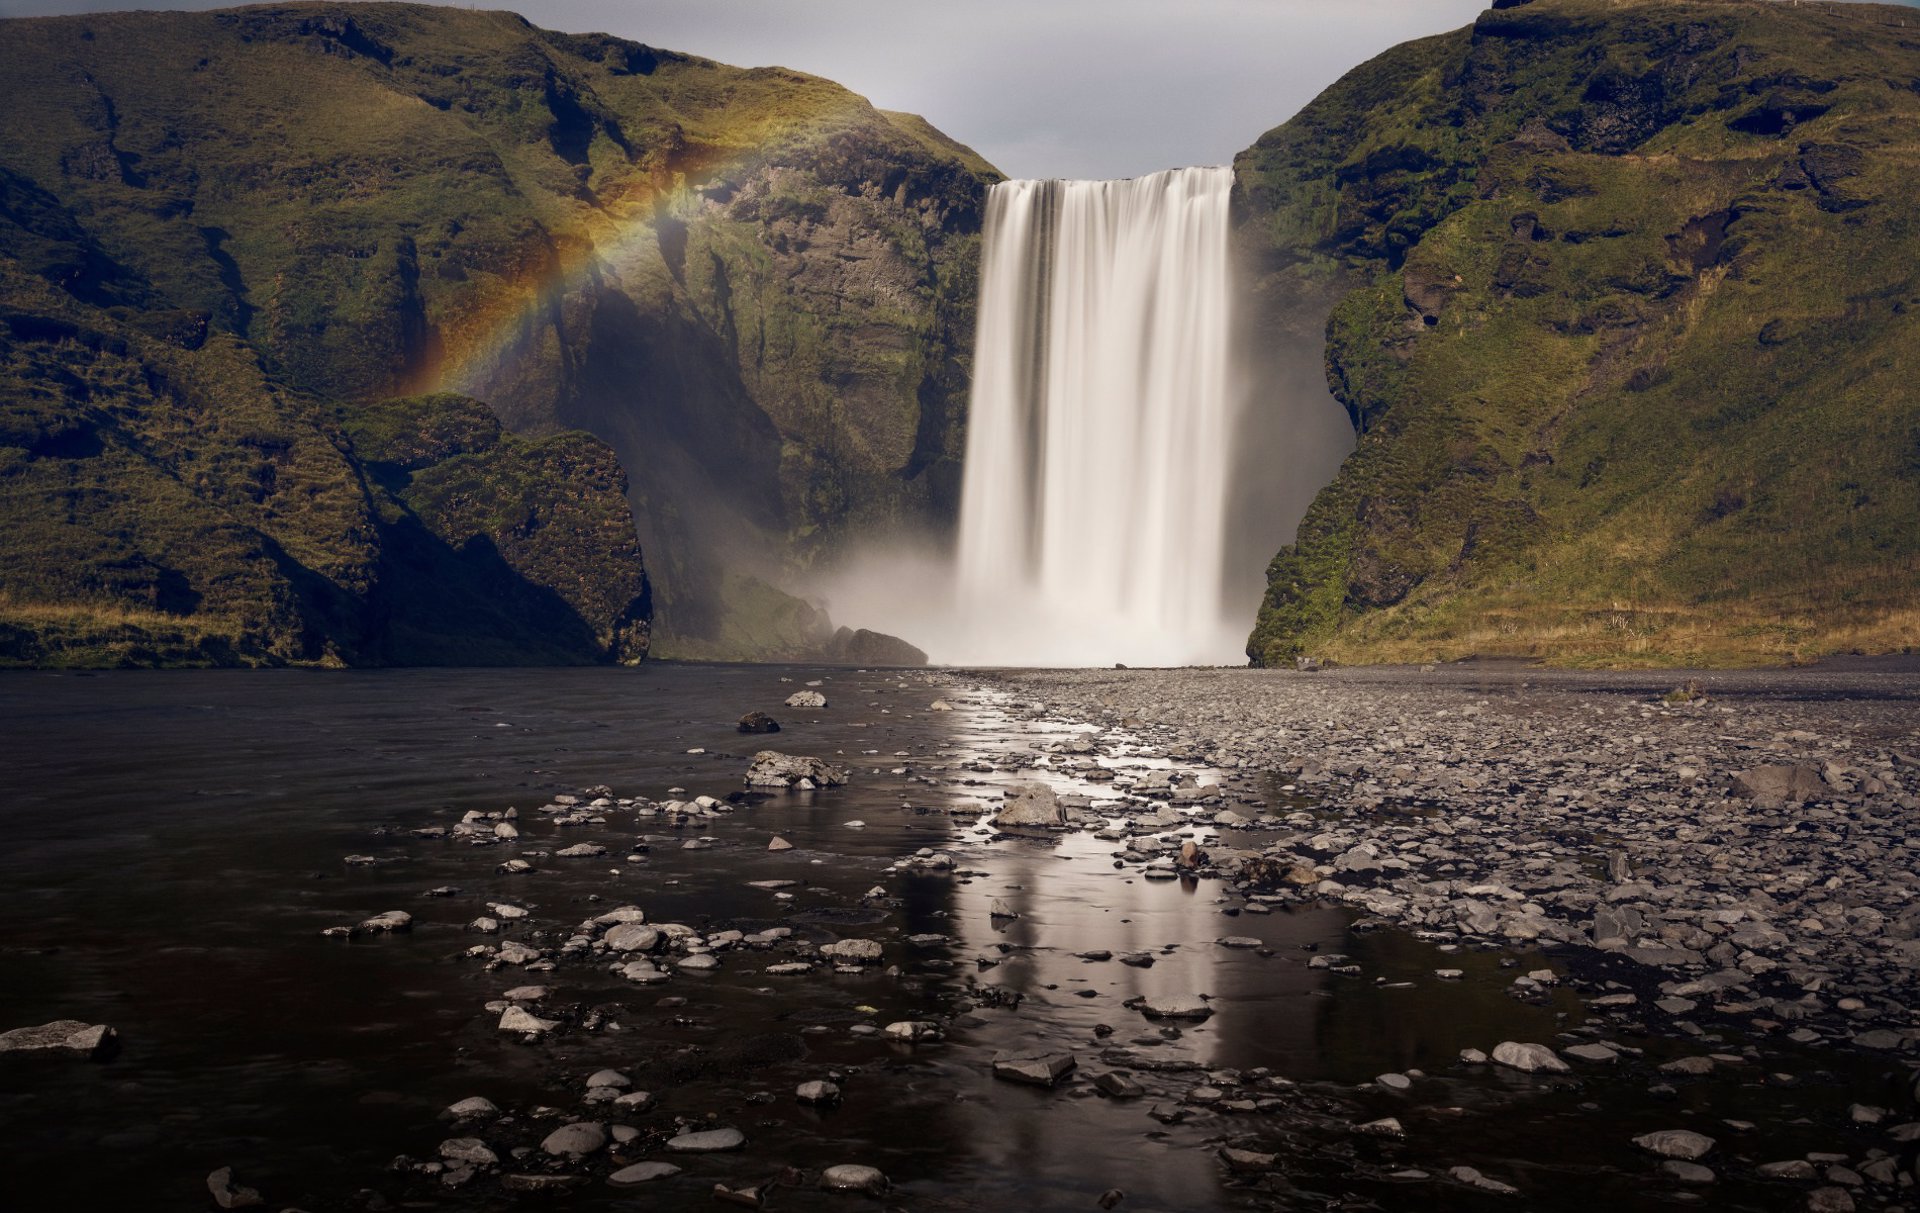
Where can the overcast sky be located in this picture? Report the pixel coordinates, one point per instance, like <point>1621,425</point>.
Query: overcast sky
<point>1042,88</point>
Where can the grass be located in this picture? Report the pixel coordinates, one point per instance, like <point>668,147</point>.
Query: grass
<point>1634,373</point>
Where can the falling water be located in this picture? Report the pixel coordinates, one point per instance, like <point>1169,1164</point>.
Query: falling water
<point>1094,508</point>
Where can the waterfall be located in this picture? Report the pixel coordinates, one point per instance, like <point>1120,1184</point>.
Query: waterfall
<point>1094,508</point>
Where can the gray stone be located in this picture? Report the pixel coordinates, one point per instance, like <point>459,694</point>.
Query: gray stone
<point>1688,1172</point>
<point>806,699</point>
<point>1175,1006</point>
<point>852,1177</point>
<point>1034,806</point>
<point>1529,1058</point>
<point>519,1019</point>
<point>852,951</point>
<point>772,769</point>
<point>67,1037</point>
<point>1683,1144</point>
<point>471,1108</point>
<point>1038,1069</point>
<point>1775,785</point>
<point>230,1195</point>
<point>469,1150</point>
<point>640,1173</point>
<point>708,1141</point>
<point>576,1140</point>
<point>817,1091</point>
<point>1474,1179</point>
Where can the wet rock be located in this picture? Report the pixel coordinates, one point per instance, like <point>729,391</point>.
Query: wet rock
<point>641,1173</point>
<point>392,921</point>
<point>632,937</point>
<point>1792,1168</point>
<point>575,1140</point>
<point>779,844</point>
<point>819,1091</point>
<point>1829,1200</point>
<point>518,1019</point>
<point>1529,1058</point>
<point>609,1078</point>
<point>62,1037</point>
<point>707,1141</point>
<point>469,1150</point>
<point>915,1031</point>
<point>1118,1086</point>
<point>1034,806</point>
<point>1037,1069</point>
<point>1385,1127</point>
<point>1683,1144</point>
<point>1175,1006</point>
<point>759,722</point>
<point>852,1177</point>
<point>536,1185</point>
<point>526,994</point>
<point>1688,1172</point>
<point>1247,1161</point>
<point>852,951</point>
<point>230,1195</point>
<point>772,769</point>
<point>474,1107</point>
<point>806,699</point>
<point>1596,1053</point>
<point>1474,1179</point>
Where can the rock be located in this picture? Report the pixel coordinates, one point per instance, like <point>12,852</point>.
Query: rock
<point>939,705</point>
<point>758,722</point>
<point>642,1172</point>
<point>392,921</point>
<point>708,1141</point>
<point>1038,1069</point>
<point>519,1019</point>
<point>539,1184</point>
<point>1247,1162</point>
<point>470,1150</point>
<point>1688,1172</point>
<point>230,1195</point>
<point>806,699</point>
<point>852,951</point>
<point>1683,1144</point>
<point>915,1031</point>
<point>1529,1058</point>
<point>1473,1178</point>
<point>1829,1200</point>
<point>1774,786</point>
<point>1175,1006</point>
<point>1385,1127</point>
<point>772,769</point>
<point>526,994</point>
<point>1116,1085</point>
<point>1394,1082</point>
<point>818,1091</point>
<point>65,1037</point>
<point>609,1078</point>
<point>581,850</point>
<point>779,844</point>
<point>471,1108</point>
<point>1595,1053</point>
<point>1792,1168</point>
<point>852,1177</point>
<point>858,646</point>
<point>1033,806</point>
<point>576,1140</point>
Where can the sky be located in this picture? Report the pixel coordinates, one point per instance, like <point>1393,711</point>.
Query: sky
<point>1042,88</point>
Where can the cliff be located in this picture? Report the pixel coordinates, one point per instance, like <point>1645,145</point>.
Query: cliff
<point>1620,299</point>
<point>752,285</point>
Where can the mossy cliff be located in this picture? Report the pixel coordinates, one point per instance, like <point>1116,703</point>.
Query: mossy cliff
<point>753,285</point>
<point>1621,297</point>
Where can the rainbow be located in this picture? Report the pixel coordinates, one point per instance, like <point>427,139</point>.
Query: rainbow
<point>480,336</point>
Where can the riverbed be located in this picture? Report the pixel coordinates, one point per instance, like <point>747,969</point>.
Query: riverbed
<point>179,842</point>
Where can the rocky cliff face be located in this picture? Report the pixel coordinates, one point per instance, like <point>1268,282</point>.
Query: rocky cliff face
<point>173,506</point>
<point>1619,298</point>
<point>753,285</point>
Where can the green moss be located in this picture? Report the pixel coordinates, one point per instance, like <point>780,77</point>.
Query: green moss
<point>1629,361</point>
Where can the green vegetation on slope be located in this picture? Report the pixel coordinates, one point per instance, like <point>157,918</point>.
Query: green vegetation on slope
<point>169,506</point>
<point>1625,309</point>
<point>753,285</point>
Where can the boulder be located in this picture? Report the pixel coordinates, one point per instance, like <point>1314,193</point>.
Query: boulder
<point>758,722</point>
<point>1776,785</point>
<point>1034,806</point>
<point>64,1037</point>
<point>1530,1059</point>
<point>1036,1069</point>
<point>772,769</point>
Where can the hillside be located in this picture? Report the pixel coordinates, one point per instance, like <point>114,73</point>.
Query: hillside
<point>751,284</point>
<point>1621,297</point>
